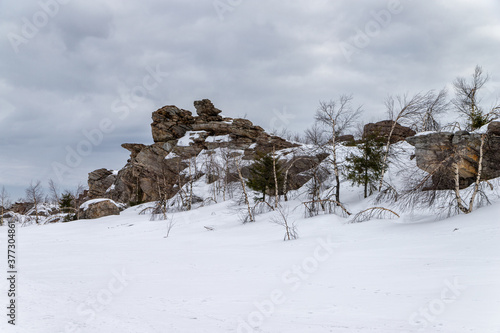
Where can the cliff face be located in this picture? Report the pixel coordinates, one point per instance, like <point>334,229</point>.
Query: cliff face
<point>442,150</point>
<point>178,137</point>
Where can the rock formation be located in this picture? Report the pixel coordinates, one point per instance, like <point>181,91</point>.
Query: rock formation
<point>179,136</point>
<point>382,130</point>
<point>94,209</point>
<point>443,149</point>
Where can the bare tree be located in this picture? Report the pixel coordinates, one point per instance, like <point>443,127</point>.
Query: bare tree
<point>315,136</point>
<point>374,213</point>
<point>227,175</point>
<point>214,175</point>
<point>337,116</point>
<point>276,196</point>
<point>170,224</point>
<point>34,195</point>
<point>399,109</point>
<point>54,191</point>
<point>287,135</point>
<point>460,202</point>
<point>437,105</point>
<point>250,216</point>
<point>467,101</point>
<point>282,218</point>
<point>290,164</point>
<point>164,177</point>
<point>4,203</point>
<point>78,195</point>
<point>186,189</point>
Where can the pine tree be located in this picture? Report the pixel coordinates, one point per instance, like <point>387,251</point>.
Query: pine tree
<point>366,168</point>
<point>66,202</point>
<point>262,176</point>
<point>66,205</point>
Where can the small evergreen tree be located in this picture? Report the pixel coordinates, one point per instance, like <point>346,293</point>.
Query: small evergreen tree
<point>262,176</point>
<point>66,205</point>
<point>367,168</point>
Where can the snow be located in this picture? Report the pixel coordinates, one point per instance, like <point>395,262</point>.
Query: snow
<point>482,130</point>
<point>187,139</point>
<point>120,274</point>
<point>111,188</point>
<point>218,138</point>
<point>425,133</point>
<point>86,204</point>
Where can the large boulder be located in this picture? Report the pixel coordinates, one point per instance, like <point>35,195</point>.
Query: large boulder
<point>97,208</point>
<point>382,129</point>
<point>207,111</point>
<point>170,123</point>
<point>441,150</point>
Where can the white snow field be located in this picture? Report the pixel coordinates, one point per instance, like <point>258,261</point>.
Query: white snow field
<point>119,274</point>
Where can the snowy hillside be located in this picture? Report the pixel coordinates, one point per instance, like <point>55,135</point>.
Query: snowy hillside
<point>120,274</point>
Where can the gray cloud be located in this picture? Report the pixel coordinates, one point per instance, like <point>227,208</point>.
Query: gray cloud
<point>263,58</point>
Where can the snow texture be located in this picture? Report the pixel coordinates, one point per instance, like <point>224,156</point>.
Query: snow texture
<point>215,274</point>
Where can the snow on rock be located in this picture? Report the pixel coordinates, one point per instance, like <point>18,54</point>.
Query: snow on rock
<point>424,133</point>
<point>218,138</point>
<point>111,188</point>
<point>189,138</point>
<point>96,208</point>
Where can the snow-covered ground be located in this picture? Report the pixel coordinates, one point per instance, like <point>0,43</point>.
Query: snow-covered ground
<point>418,273</point>
<point>119,274</point>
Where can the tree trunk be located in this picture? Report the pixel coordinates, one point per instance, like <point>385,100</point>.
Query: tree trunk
<point>335,166</point>
<point>386,156</point>
<point>275,180</point>
<point>247,202</point>
<point>366,184</point>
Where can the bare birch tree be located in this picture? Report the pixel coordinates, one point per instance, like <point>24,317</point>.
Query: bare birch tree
<point>337,116</point>
<point>54,191</point>
<point>276,196</point>
<point>4,203</point>
<point>282,218</point>
<point>402,108</point>
<point>250,216</point>
<point>34,195</point>
<point>467,100</point>
<point>464,208</point>
<point>436,105</point>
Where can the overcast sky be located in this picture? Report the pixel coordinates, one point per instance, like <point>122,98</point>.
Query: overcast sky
<point>71,69</point>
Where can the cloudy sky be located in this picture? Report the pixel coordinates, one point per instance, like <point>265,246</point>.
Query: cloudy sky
<point>78,78</point>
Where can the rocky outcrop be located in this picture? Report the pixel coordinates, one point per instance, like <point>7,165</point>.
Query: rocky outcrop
<point>97,208</point>
<point>21,207</point>
<point>99,182</point>
<point>178,137</point>
<point>382,129</point>
<point>346,138</point>
<point>439,151</point>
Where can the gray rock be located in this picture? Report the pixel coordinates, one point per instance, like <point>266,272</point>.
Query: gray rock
<point>98,208</point>
<point>442,150</point>
<point>382,130</point>
<point>99,182</point>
